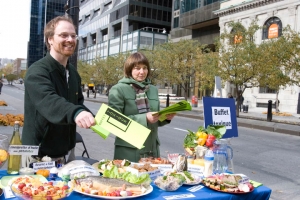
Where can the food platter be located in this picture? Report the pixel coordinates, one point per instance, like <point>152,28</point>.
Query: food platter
<point>5,180</point>
<point>95,165</point>
<point>148,191</point>
<point>197,180</point>
<point>238,192</point>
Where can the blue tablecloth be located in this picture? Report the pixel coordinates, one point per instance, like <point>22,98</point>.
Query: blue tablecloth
<point>260,193</point>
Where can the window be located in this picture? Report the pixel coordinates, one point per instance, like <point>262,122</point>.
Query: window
<point>176,22</point>
<point>266,90</point>
<point>237,35</point>
<point>176,4</point>
<point>272,28</point>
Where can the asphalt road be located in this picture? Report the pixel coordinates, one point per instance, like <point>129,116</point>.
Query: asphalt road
<point>267,157</point>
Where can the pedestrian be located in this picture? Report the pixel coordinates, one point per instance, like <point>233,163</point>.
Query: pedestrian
<point>1,85</point>
<point>53,101</point>
<point>277,106</point>
<point>229,95</point>
<point>137,98</point>
<point>241,102</point>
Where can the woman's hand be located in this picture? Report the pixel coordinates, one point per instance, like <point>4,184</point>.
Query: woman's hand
<point>170,116</point>
<point>152,118</point>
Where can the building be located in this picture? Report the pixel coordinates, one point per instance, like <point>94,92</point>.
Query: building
<point>42,11</point>
<point>274,15</point>
<point>5,61</point>
<point>194,19</point>
<point>107,27</point>
<point>17,66</point>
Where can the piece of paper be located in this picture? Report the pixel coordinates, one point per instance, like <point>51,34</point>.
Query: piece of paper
<point>255,184</point>
<point>180,106</point>
<point>109,120</point>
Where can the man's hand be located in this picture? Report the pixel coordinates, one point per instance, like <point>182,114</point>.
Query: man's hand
<point>152,118</point>
<point>85,119</point>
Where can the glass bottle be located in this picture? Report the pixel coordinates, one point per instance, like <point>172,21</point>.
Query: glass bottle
<point>14,161</point>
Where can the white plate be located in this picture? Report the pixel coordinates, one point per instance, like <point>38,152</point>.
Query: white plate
<point>150,189</point>
<point>197,180</point>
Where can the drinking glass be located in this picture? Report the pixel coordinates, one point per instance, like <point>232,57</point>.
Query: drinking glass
<point>3,149</point>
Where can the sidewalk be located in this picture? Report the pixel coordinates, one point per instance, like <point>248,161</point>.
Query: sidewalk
<point>253,119</point>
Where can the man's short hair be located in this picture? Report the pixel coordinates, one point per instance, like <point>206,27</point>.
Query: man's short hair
<point>51,25</point>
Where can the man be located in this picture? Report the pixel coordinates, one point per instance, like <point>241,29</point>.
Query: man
<point>53,97</point>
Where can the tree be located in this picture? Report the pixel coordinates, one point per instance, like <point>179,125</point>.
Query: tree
<point>110,70</point>
<point>275,74</point>
<point>239,60</point>
<point>8,69</point>
<point>207,70</point>
<point>178,63</point>
<point>85,71</point>
<point>10,78</point>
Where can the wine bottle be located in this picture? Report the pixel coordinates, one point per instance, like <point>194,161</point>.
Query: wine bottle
<point>14,161</point>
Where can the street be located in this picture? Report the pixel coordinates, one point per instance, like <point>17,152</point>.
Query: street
<point>267,157</point>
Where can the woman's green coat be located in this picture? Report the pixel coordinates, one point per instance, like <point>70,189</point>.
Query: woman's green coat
<point>122,98</point>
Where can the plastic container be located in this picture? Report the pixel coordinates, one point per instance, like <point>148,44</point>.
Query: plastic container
<point>208,163</point>
<point>26,171</point>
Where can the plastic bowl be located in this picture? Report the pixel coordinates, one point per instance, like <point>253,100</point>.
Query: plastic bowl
<point>168,183</point>
<point>47,194</point>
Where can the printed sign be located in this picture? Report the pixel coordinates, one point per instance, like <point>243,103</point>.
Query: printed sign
<point>221,116</point>
<point>43,165</point>
<point>109,121</point>
<point>195,169</point>
<point>23,150</point>
<point>221,111</point>
<point>195,188</point>
<point>179,196</point>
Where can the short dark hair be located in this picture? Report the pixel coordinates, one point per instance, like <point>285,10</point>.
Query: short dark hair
<point>51,25</point>
<point>133,60</point>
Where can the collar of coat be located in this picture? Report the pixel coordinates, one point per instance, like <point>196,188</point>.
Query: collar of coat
<point>130,80</point>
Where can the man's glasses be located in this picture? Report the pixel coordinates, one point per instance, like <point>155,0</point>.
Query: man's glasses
<point>66,36</point>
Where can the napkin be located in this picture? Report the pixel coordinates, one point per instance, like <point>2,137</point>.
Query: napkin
<point>255,184</point>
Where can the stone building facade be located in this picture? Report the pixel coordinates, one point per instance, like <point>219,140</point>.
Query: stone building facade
<point>274,15</point>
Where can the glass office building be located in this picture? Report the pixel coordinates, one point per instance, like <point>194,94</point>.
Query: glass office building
<point>42,11</point>
<point>108,27</point>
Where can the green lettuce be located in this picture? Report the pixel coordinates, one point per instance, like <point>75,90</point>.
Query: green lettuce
<point>143,179</point>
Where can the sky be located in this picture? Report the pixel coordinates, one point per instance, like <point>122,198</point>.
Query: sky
<point>14,28</point>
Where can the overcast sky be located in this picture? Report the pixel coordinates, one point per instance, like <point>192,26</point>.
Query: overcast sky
<point>14,29</point>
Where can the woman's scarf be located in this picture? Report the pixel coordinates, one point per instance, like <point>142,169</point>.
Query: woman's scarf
<point>141,99</point>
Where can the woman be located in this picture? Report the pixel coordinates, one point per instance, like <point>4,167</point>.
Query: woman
<point>136,98</point>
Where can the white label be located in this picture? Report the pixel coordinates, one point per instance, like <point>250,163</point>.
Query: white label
<point>195,188</point>
<point>195,169</point>
<point>153,174</point>
<point>83,168</point>
<point>23,150</point>
<point>43,165</point>
<point>8,193</point>
<point>180,196</point>
<point>163,167</point>
<point>221,116</point>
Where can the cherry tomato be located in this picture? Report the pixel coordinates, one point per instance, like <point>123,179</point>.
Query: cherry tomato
<point>65,187</point>
<point>21,185</point>
<point>41,188</point>
<point>129,193</point>
<point>113,194</point>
